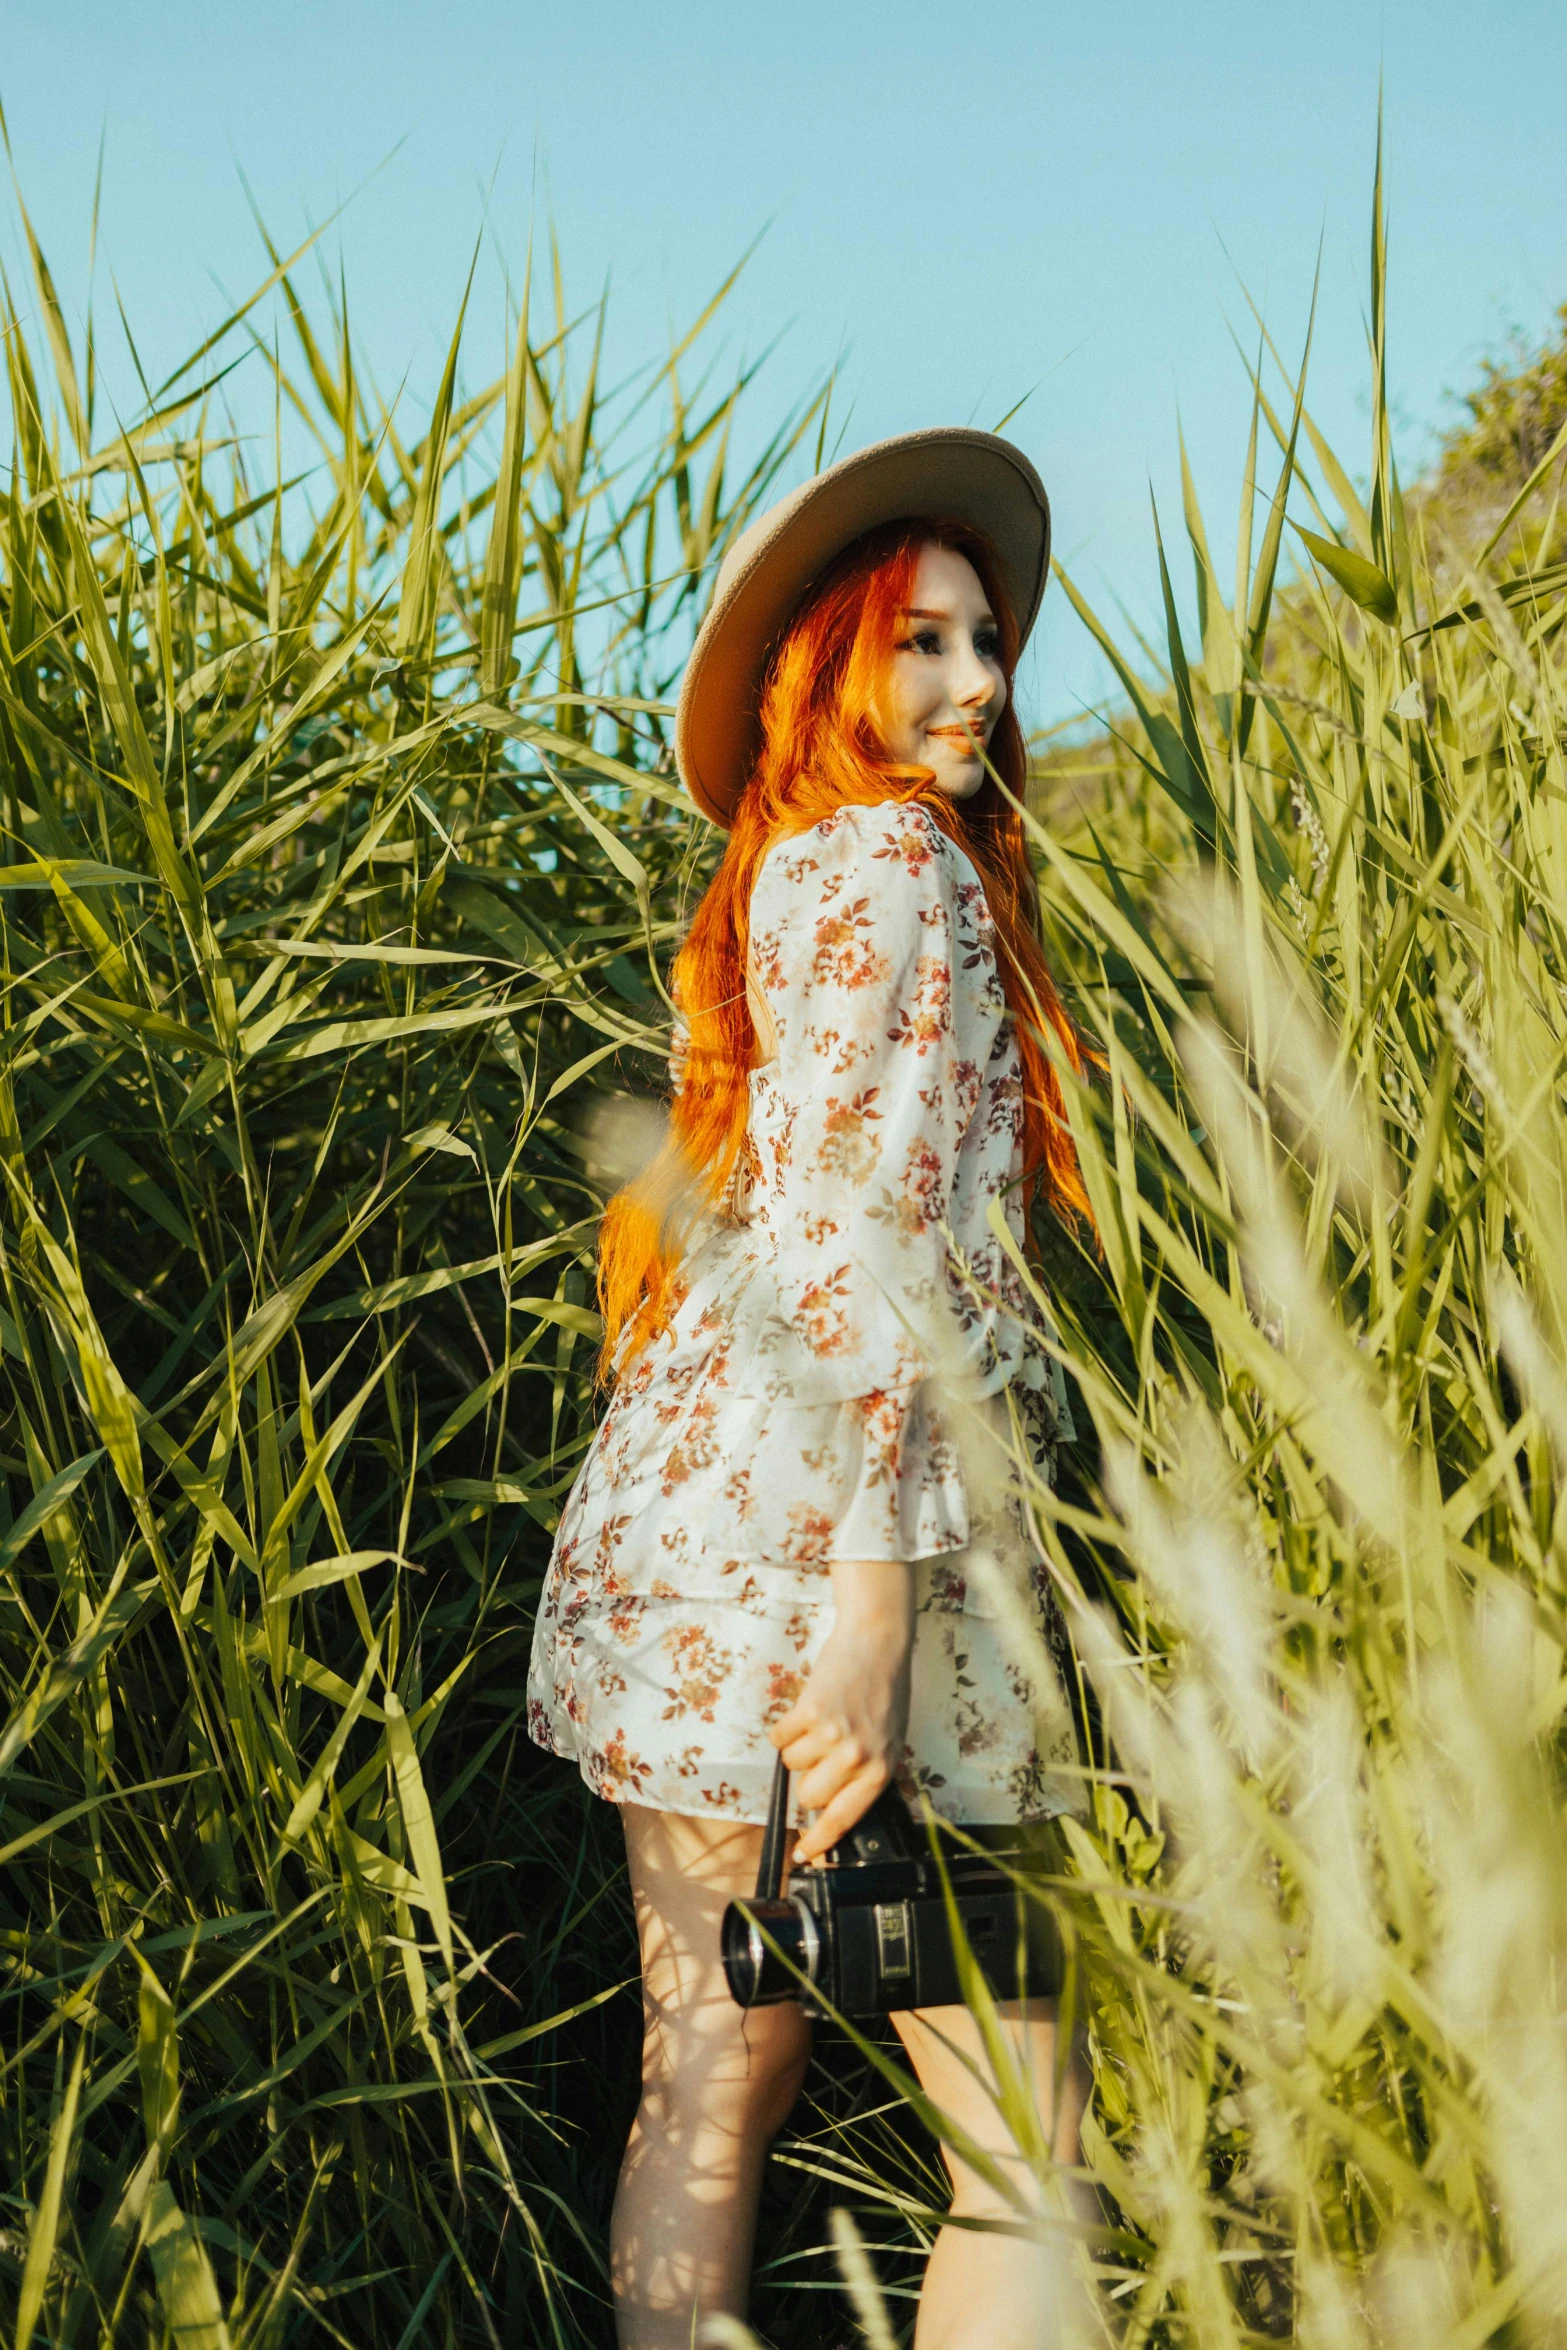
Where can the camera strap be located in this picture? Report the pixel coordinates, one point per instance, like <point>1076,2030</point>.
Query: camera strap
<point>775,1838</point>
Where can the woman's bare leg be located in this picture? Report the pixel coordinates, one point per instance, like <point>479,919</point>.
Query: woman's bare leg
<point>717,2085</point>
<point>984,2291</point>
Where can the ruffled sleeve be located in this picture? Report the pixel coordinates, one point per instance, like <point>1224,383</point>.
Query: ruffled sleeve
<point>854,934</point>
<point>841,1448</point>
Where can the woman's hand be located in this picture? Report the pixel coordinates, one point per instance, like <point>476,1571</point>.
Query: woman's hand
<point>845,1735</point>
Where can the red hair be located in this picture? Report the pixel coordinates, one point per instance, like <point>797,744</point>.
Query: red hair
<point>821,747</point>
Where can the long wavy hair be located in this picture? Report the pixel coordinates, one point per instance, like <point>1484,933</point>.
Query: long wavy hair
<point>822,747</point>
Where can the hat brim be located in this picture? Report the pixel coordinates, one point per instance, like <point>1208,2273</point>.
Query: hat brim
<point>960,476</point>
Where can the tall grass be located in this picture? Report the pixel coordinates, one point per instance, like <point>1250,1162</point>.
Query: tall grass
<point>1314,899</point>
<point>341,856</point>
<point>344,866</point>
<point>1319,1582</point>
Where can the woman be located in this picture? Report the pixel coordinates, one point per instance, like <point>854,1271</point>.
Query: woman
<point>818,1340</point>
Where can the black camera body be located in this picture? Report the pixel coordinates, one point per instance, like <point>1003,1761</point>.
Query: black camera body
<point>870,1933</point>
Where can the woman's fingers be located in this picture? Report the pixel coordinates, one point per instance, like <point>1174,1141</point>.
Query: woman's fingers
<point>838,1789</point>
<point>817,1737</point>
<point>802,1721</point>
<point>837,1817</point>
<point>836,1776</point>
<point>839,1766</point>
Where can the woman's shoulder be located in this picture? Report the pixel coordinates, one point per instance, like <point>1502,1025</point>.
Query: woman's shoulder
<point>875,841</point>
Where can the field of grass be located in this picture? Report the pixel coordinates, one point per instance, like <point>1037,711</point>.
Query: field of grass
<point>343,864</point>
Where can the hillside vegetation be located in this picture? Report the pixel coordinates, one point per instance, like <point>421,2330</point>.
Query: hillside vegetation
<point>343,867</point>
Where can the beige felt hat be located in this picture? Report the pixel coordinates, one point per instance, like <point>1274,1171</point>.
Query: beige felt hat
<point>952,476</point>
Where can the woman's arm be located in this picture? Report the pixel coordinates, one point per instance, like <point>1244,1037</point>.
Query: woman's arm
<point>854,938</point>
<point>853,943</point>
<point>845,1736</point>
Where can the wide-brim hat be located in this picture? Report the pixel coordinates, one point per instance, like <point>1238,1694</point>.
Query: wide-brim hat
<point>948,476</point>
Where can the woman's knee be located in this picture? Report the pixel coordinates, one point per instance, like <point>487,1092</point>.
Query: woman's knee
<point>780,2074</point>
<point>741,2072</point>
<point>705,2060</point>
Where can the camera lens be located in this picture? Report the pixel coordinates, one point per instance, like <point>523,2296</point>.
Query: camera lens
<point>763,1941</point>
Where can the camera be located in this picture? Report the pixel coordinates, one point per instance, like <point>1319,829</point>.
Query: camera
<point>871,1932</point>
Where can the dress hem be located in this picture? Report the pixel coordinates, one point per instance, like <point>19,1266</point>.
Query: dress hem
<point>706,1811</point>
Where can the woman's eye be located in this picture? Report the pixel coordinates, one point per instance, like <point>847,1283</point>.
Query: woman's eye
<point>988,645</point>
<point>924,640</point>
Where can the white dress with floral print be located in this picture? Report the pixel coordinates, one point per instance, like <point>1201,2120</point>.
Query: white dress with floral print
<point>833,1377</point>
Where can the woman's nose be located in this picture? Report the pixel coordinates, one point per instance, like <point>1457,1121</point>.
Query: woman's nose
<point>976,686</point>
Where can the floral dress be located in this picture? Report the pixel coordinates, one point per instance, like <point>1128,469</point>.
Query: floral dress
<point>834,1380</point>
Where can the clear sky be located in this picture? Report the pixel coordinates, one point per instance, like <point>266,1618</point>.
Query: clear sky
<point>963,203</point>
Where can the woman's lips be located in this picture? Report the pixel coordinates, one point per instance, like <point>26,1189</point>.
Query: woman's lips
<point>973,742</point>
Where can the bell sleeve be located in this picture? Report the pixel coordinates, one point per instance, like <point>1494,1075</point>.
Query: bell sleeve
<point>853,936</point>
<point>856,1322</point>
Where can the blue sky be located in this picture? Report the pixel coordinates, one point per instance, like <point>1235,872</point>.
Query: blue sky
<point>962,204</point>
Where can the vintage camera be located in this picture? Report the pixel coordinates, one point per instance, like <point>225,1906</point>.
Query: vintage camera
<point>870,1932</point>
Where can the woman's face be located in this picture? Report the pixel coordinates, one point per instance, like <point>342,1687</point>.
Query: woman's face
<point>945,688</point>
